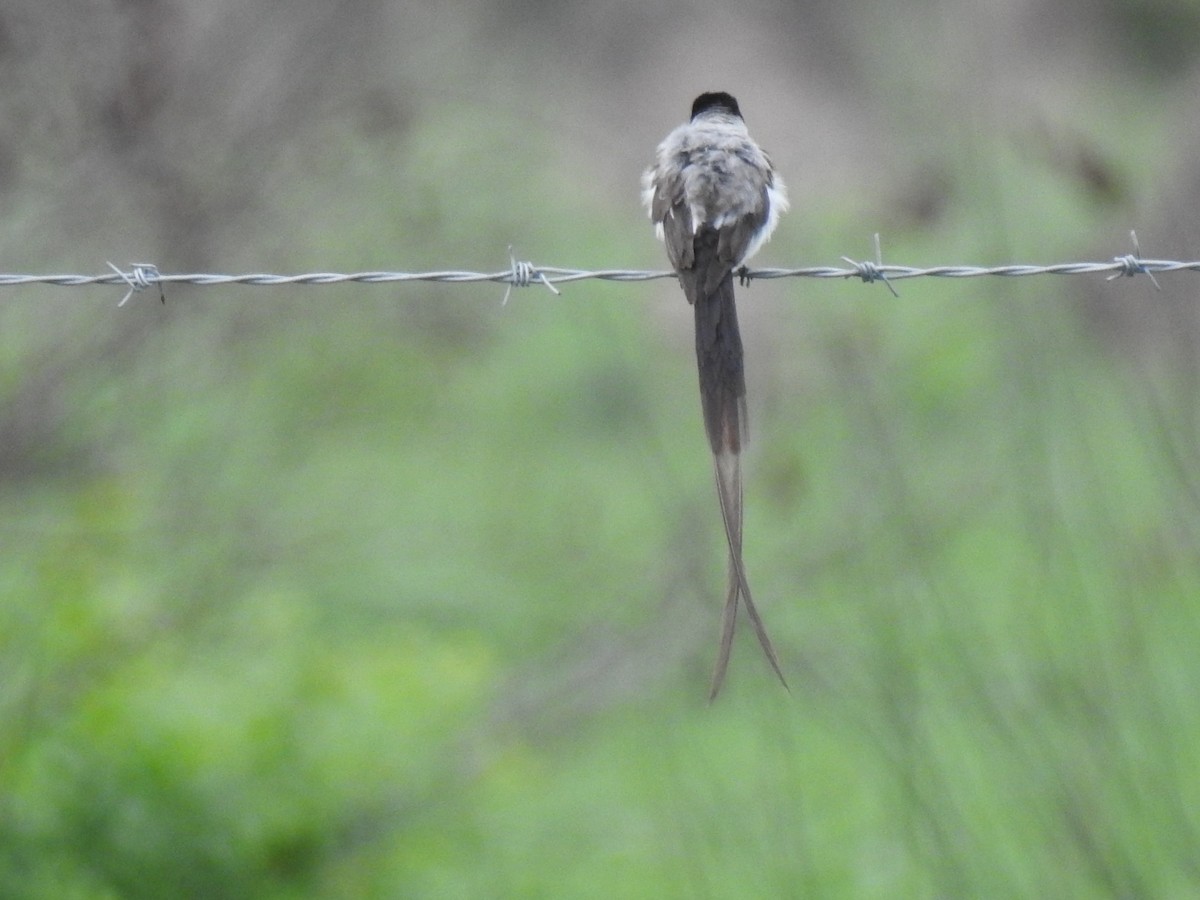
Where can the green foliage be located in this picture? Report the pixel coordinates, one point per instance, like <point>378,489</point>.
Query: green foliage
<point>408,593</point>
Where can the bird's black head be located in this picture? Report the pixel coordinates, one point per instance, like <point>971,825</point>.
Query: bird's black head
<point>719,101</point>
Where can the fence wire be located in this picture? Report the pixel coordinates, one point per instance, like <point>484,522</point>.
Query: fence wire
<point>140,276</point>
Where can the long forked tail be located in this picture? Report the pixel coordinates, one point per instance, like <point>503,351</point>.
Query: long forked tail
<point>729,491</point>
<point>723,399</point>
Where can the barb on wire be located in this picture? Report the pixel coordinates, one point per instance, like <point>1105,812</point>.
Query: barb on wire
<point>869,271</point>
<point>1133,264</point>
<point>140,277</point>
<point>523,274</point>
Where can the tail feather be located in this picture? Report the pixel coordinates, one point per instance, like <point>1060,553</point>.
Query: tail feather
<point>723,399</point>
<point>729,491</point>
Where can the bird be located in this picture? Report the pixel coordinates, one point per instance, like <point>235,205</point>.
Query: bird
<point>714,198</point>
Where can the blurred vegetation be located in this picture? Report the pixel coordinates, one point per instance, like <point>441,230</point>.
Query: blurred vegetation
<point>400,591</point>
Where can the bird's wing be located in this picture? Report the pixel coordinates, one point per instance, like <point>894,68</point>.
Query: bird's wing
<point>669,211</point>
<point>737,236</point>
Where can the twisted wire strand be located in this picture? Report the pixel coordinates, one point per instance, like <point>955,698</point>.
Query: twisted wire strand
<point>526,274</point>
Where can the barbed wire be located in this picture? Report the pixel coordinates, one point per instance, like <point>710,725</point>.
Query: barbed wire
<point>141,276</point>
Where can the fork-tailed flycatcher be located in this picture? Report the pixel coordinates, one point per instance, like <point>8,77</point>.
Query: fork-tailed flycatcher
<point>714,198</point>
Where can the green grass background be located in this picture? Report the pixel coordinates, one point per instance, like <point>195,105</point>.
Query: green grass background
<point>405,592</point>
